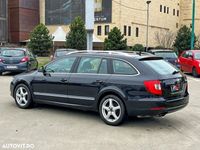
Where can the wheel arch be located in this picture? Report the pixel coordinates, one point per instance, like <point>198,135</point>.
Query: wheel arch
<point>110,91</point>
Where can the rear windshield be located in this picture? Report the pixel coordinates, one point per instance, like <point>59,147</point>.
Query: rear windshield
<point>161,66</point>
<point>13,53</point>
<point>166,54</point>
<point>197,56</point>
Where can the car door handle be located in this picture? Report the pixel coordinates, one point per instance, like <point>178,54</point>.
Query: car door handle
<point>63,80</point>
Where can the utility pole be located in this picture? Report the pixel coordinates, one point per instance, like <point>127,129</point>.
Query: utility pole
<point>147,34</point>
<point>193,25</point>
<point>89,22</point>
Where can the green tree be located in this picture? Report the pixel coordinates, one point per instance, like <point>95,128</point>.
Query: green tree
<point>138,47</point>
<point>115,40</point>
<point>77,37</point>
<point>40,40</point>
<point>183,39</point>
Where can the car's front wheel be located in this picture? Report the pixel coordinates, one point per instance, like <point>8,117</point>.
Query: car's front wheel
<point>23,96</point>
<point>112,110</point>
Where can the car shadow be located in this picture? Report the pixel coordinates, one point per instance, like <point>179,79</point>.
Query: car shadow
<point>190,75</point>
<point>130,122</point>
<point>10,74</point>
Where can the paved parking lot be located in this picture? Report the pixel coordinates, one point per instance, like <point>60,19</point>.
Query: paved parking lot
<point>53,128</point>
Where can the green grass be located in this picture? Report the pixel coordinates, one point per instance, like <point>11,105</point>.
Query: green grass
<point>42,61</point>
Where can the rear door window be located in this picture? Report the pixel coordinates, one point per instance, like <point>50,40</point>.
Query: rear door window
<point>160,66</point>
<point>123,68</point>
<point>103,69</point>
<point>89,65</point>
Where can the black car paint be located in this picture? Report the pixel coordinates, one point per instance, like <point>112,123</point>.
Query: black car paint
<point>85,91</point>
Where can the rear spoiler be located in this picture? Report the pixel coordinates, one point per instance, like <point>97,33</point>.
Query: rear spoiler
<point>150,58</point>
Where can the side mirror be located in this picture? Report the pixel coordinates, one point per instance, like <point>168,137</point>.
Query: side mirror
<point>42,69</point>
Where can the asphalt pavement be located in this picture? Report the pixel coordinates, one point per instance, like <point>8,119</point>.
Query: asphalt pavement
<point>54,128</point>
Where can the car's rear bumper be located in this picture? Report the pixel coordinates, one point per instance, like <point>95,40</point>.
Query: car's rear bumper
<point>13,67</point>
<point>155,106</point>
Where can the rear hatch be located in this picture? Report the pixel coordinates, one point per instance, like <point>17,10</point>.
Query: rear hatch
<point>12,56</point>
<point>173,82</point>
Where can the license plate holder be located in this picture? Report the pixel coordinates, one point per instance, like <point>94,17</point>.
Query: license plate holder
<point>11,67</point>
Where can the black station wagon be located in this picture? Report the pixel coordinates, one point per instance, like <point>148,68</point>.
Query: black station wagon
<point>115,84</point>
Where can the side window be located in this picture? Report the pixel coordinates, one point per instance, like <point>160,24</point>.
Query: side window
<point>190,54</point>
<point>185,55</point>
<point>103,69</point>
<point>61,66</point>
<point>89,65</point>
<point>123,68</point>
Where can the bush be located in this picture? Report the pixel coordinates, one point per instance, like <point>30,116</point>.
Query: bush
<point>77,37</point>
<point>115,40</point>
<point>183,39</point>
<point>40,40</point>
<point>138,47</point>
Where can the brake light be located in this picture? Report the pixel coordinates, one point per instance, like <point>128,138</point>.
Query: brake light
<point>153,87</point>
<point>1,60</point>
<point>178,61</point>
<point>25,59</point>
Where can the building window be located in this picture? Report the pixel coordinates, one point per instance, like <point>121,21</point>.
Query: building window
<point>177,25</point>
<point>178,13</point>
<point>167,10</point>
<point>160,8</point>
<point>125,29</point>
<point>164,9</point>
<point>174,12</point>
<point>98,30</point>
<point>137,32</point>
<point>107,28</point>
<point>129,30</point>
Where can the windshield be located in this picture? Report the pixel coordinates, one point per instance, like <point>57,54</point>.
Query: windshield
<point>12,53</point>
<point>166,54</point>
<point>161,66</point>
<point>197,56</point>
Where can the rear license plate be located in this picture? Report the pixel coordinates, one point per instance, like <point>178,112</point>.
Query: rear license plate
<point>11,67</point>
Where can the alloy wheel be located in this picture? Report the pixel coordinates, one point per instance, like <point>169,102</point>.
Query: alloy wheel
<point>22,96</point>
<point>111,110</point>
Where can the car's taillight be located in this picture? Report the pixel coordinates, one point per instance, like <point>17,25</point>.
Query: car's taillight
<point>1,60</point>
<point>177,61</point>
<point>153,87</point>
<point>25,59</point>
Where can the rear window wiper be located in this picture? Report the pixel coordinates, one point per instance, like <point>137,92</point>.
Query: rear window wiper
<point>175,72</point>
<point>7,56</point>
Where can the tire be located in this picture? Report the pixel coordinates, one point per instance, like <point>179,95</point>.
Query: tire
<point>22,96</point>
<point>112,110</point>
<point>194,72</point>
